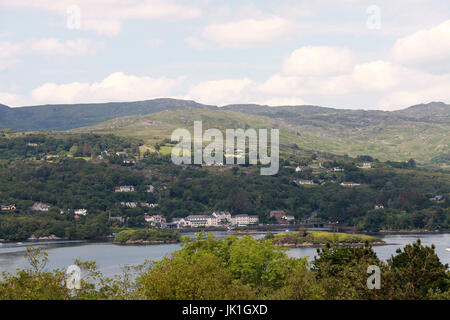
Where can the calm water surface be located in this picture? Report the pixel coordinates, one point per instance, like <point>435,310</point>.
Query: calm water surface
<point>111,258</point>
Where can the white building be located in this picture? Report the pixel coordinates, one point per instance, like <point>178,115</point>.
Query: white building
<point>39,206</point>
<point>305,181</point>
<point>129,204</point>
<point>222,217</point>
<point>298,169</point>
<point>350,184</point>
<point>121,153</point>
<point>366,165</point>
<point>216,219</point>
<point>244,219</point>
<point>201,220</point>
<point>288,218</point>
<point>80,212</point>
<point>9,207</point>
<point>179,223</point>
<point>315,166</point>
<point>155,220</point>
<point>148,205</point>
<point>124,189</point>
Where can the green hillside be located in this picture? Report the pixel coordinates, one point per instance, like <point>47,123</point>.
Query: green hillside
<point>386,136</point>
<point>421,132</point>
<point>66,117</point>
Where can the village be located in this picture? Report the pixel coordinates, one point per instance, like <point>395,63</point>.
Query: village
<point>218,219</point>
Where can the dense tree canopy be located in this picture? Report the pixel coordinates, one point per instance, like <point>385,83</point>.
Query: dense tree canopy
<point>387,198</point>
<point>207,268</point>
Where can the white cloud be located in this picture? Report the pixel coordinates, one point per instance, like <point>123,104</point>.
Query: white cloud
<point>293,101</point>
<point>248,33</point>
<point>54,47</point>
<point>279,84</point>
<point>116,87</point>
<point>237,91</point>
<point>379,83</point>
<point>437,89</point>
<point>49,47</point>
<point>428,48</point>
<point>106,16</point>
<point>153,43</point>
<point>195,43</point>
<point>10,53</point>
<point>11,99</point>
<point>375,76</point>
<point>105,27</point>
<point>220,92</point>
<point>8,49</point>
<point>318,60</point>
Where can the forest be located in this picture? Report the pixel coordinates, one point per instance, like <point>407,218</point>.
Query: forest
<point>388,197</point>
<point>243,268</point>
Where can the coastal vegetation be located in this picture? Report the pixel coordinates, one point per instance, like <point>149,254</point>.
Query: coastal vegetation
<point>207,268</point>
<point>146,236</point>
<point>420,132</point>
<point>308,238</point>
<point>388,198</point>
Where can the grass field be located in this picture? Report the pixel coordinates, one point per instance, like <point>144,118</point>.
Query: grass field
<point>321,237</point>
<point>382,140</point>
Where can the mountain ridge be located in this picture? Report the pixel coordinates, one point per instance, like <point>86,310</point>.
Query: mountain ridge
<point>382,135</point>
<point>51,117</point>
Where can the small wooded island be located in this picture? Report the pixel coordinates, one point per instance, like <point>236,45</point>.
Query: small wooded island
<point>315,239</point>
<point>146,237</point>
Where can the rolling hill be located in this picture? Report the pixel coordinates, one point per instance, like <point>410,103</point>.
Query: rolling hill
<point>66,117</point>
<point>421,132</point>
<point>383,135</point>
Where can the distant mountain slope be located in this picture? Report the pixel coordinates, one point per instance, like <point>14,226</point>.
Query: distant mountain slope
<point>429,112</point>
<point>65,117</point>
<point>421,132</point>
<point>434,112</point>
<point>383,135</point>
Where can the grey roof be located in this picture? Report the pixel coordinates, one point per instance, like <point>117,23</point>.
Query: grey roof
<point>198,216</point>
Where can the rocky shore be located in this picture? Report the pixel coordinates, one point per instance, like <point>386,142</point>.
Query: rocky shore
<point>145,242</point>
<point>50,237</point>
<point>416,231</point>
<point>322,245</point>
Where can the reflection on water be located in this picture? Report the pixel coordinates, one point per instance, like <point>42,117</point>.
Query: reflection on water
<point>111,257</point>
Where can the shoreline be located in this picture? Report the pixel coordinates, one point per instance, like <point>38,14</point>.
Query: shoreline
<point>323,245</point>
<point>141,242</point>
<point>57,239</point>
<point>244,231</point>
<point>381,232</point>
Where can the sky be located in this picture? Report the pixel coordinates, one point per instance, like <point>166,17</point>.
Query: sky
<point>357,54</point>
